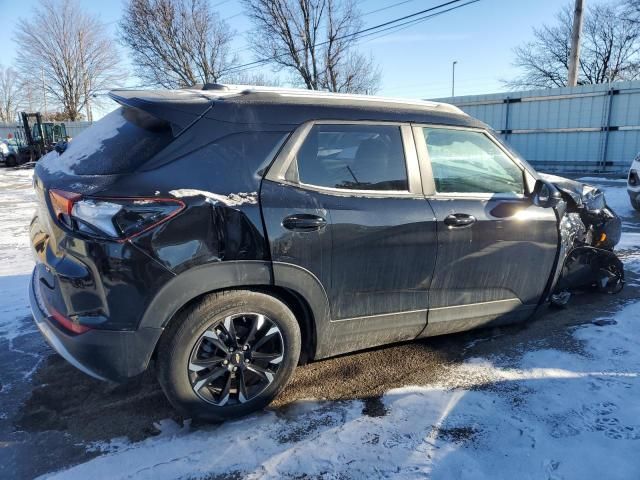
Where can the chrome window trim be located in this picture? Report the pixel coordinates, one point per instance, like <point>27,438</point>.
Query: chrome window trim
<point>428,177</point>
<point>278,171</point>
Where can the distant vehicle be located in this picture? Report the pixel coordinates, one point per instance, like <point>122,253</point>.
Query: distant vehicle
<point>230,233</point>
<point>633,183</point>
<point>8,147</point>
<point>36,138</point>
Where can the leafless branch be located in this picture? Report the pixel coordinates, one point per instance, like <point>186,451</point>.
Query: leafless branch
<point>251,78</point>
<point>314,40</point>
<point>73,52</point>
<point>176,43</point>
<point>610,50</point>
<point>10,94</point>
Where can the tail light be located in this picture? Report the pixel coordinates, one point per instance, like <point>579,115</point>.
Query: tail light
<point>62,202</point>
<point>112,218</point>
<point>67,323</point>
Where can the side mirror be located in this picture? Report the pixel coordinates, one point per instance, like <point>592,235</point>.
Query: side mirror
<point>545,194</point>
<point>61,147</point>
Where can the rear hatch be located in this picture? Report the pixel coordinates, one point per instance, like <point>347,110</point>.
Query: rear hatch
<point>93,165</point>
<point>122,141</point>
<point>94,161</point>
<point>144,125</point>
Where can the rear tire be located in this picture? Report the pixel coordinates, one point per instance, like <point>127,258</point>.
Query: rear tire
<point>11,161</point>
<point>218,329</point>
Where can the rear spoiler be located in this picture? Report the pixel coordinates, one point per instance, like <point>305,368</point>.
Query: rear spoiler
<point>178,107</point>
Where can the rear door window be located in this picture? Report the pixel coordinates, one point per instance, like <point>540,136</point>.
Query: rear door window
<point>354,157</point>
<point>118,143</point>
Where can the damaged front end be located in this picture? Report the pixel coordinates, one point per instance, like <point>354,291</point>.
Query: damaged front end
<point>589,231</point>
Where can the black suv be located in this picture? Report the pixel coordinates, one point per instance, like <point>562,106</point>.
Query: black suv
<point>231,234</point>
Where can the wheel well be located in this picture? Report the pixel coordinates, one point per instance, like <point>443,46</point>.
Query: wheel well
<point>293,300</point>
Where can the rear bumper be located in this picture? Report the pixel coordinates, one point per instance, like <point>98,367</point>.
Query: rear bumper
<point>103,354</point>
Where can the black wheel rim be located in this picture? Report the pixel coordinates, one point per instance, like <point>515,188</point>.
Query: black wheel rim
<point>236,359</point>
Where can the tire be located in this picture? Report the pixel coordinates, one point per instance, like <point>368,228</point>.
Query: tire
<point>11,161</point>
<point>635,204</point>
<point>194,339</point>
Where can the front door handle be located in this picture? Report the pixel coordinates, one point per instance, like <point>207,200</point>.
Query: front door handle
<point>459,220</point>
<point>304,222</point>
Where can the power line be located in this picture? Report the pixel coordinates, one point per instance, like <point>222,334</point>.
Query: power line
<point>386,28</point>
<point>375,29</point>
<point>235,52</point>
<point>397,4</point>
<point>411,23</point>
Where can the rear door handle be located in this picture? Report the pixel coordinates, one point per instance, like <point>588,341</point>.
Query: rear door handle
<point>304,222</point>
<point>459,220</point>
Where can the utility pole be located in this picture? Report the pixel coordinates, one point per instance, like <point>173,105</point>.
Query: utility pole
<point>576,33</point>
<point>453,78</point>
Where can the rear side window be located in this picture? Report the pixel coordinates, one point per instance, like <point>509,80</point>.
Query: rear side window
<point>355,157</point>
<point>469,162</point>
<point>118,143</point>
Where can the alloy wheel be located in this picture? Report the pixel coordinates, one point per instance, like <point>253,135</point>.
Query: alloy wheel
<point>236,359</point>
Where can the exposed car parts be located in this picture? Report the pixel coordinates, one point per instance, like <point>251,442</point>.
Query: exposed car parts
<point>589,230</point>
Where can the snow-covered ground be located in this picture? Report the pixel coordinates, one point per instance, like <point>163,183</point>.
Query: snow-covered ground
<point>570,413</point>
<point>17,204</point>
<point>559,415</point>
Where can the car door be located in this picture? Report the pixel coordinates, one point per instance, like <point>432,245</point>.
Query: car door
<point>496,249</point>
<point>347,206</point>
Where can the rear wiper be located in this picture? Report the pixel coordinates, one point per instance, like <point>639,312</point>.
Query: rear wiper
<point>197,119</point>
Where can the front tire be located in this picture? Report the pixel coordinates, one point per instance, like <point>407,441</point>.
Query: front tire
<point>228,355</point>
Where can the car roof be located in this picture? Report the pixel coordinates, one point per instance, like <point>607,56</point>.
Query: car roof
<point>273,105</point>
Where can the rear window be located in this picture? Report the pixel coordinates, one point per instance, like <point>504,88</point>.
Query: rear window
<point>118,143</point>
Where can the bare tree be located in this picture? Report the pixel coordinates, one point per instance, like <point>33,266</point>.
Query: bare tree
<point>71,50</point>
<point>631,10</point>
<point>176,43</point>
<point>10,94</point>
<point>314,40</point>
<point>610,50</point>
<point>252,78</point>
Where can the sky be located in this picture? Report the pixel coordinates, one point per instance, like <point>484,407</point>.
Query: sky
<point>416,62</point>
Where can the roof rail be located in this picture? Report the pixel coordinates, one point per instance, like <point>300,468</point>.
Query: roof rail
<point>303,92</point>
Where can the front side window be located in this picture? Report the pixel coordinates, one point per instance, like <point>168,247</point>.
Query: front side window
<point>355,157</point>
<point>466,161</point>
